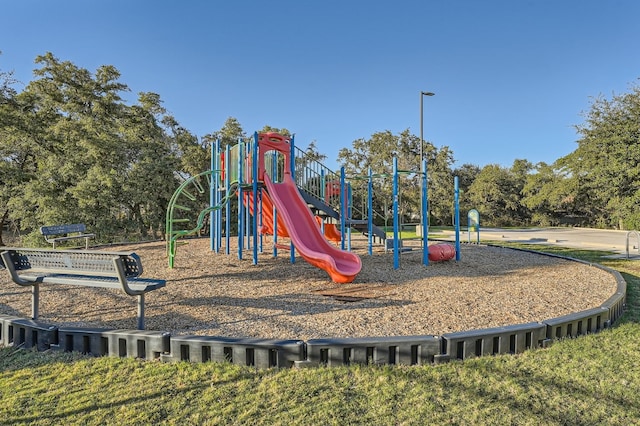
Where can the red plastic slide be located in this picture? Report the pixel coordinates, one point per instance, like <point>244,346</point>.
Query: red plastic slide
<point>342,266</point>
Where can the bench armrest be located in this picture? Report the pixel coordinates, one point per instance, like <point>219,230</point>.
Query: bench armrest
<point>118,263</point>
<point>10,266</point>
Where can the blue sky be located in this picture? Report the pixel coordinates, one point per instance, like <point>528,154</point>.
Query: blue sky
<point>511,77</point>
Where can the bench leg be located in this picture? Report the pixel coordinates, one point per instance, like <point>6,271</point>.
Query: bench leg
<point>141,311</point>
<point>35,300</point>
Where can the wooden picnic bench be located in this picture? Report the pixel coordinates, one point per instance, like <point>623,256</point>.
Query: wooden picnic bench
<point>57,233</point>
<point>89,268</point>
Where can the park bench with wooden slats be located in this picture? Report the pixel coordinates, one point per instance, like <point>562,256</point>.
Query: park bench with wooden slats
<point>89,268</point>
<point>56,233</point>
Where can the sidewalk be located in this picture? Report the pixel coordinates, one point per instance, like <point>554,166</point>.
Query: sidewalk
<point>582,238</point>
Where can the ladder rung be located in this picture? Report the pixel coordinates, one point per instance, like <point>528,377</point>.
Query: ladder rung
<point>198,185</point>
<point>188,195</point>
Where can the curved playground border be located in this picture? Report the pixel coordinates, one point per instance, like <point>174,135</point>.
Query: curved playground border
<point>268,353</point>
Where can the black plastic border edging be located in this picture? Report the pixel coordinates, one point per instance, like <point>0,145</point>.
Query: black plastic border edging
<point>268,353</point>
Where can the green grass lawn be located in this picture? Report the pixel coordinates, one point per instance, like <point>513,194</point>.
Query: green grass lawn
<point>588,380</point>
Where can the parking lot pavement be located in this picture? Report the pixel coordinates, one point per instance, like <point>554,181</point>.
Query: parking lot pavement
<point>583,238</point>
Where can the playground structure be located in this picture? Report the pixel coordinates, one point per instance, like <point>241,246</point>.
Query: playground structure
<point>276,188</point>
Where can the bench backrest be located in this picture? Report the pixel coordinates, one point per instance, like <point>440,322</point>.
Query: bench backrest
<point>85,262</point>
<point>63,229</point>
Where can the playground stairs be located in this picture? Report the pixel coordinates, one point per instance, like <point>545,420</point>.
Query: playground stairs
<point>321,208</point>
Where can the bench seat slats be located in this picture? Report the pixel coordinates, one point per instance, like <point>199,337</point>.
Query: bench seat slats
<point>136,284</point>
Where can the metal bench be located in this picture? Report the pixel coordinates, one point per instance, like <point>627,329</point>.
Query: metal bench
<point>56,233</point>
<point>89,268</point>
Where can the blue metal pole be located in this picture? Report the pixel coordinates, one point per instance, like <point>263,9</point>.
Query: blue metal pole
<point>247,206</point>
<point>293,157</point>
<point>254,173</point>
<point>220,191</point>
<point>240,203</point>
<point>227,182</point>
<point>370,212</point>
<point>350,212</point>
<point>396,244</point>
<point>321,192</point>
<point>425,215</point>
<point>456,200</point>
<point>213,197</point>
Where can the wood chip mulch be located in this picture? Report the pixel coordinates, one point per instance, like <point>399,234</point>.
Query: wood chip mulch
<point>215,294</point>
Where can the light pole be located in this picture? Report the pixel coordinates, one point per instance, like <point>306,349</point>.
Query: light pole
<point>422,95</point>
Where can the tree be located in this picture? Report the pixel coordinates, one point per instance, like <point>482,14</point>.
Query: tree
<point>607,160</point>
<point>520,171</point>
<point>76,134</point>
<point>377,154</point>
<point>440,185</point>
<point>283,131</point>
<point>229,135</point>
<point>553,196</point>
<point>150,180</point>
<point>466,174</point>
<point>16,159</point>
<point>495,193</point>
<point>86,156</point>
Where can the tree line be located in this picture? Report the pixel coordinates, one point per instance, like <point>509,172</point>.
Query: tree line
<point>73,151</point>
